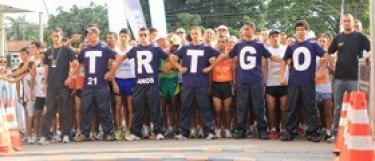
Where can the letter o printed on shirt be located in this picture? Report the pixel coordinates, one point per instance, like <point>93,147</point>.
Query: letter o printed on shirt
<point>307,58</point>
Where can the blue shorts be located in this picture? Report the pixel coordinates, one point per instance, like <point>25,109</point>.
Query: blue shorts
<point>126,86</point>
<point>323,96</point>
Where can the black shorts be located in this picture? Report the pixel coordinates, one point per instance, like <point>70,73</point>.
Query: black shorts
<point>221,90</point>
<point>277,91</point>
<point>39,103</point>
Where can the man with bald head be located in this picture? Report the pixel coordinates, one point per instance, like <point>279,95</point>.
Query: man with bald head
<point>349,46</point>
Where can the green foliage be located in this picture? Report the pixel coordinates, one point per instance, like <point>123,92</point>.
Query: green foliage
<point>322,15</point>
<point>187,20</point>
<point>76,20</point>
<point>20,29</point>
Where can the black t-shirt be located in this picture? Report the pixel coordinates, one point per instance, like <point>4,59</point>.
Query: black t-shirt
<point>350,48</point>
<point>58,71</point>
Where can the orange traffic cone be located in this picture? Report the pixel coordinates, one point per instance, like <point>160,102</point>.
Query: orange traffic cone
<point>343,123</point>
<point>343,151</point>
<point>13,127</point>
<point>5,143</point>
<point>359,145</point>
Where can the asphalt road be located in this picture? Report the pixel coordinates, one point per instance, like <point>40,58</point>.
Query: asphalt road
<point>192,149</point>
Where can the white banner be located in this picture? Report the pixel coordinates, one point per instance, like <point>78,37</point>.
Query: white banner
<point>157,12</point>
<point>134,15</point>
<point>116,15</point>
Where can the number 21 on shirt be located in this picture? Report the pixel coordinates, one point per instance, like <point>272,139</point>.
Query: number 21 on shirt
<point>92,55</point>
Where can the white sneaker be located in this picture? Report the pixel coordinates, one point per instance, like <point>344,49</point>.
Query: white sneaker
<point>31,140</point>
<point>210,136</point>
<point>92,136</point>
<point>228,134</point>
<point>180,137</point>
<point>193,133</point>
<point>146,132</point>
<point>43,141</point>
<point>159,137</point>
<point>132,137</point>
<point>66,139</point>
<point>218,133</point>
<point>100,135</point>
<point>331,139</point>
<point>56,138</point>
<point>200,133</point>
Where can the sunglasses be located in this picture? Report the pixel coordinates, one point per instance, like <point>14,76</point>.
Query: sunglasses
<point>180,33</point>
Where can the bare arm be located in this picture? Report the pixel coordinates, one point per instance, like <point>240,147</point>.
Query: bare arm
<point>323,65</point>
<point>114,64</point>
<point>32,87</point>
<point>20,70</point>
<point>16,80</point>
<point>44,83</point>
<point>173,60</point>
<point>282,80</point>
<point>264,68</point>
<point>276,59</point>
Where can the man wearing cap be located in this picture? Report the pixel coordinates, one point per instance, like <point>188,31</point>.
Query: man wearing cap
<point>222,30</point>
<point>95,94</point>
<point>57,62</point>
<point>274,89</point>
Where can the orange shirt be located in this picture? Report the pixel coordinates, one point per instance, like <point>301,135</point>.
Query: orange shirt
<point>79,79</point>
<point>324,79</point>
<point>223,71</point>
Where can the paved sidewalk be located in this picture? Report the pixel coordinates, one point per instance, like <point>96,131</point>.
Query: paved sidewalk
<point>195,149</point>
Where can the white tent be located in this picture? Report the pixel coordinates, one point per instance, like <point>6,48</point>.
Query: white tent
<point>16,6</point>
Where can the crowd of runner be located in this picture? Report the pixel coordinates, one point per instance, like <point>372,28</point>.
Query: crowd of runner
<point>196,84</point>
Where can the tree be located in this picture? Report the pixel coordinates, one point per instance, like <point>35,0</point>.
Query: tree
<point>187,20</point>
<point>322,15</point>
<point>76,20</point>
<point>20,29</point>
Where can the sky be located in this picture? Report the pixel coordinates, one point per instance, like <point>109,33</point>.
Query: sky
<point>52,5</point>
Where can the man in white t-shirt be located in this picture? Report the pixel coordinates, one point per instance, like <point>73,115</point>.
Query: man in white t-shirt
<point>274,90</point>
<point>123,85</point>
<point>39,79</point>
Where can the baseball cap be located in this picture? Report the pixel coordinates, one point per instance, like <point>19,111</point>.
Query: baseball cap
<point>272,32</point>
<point>222,27</point>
